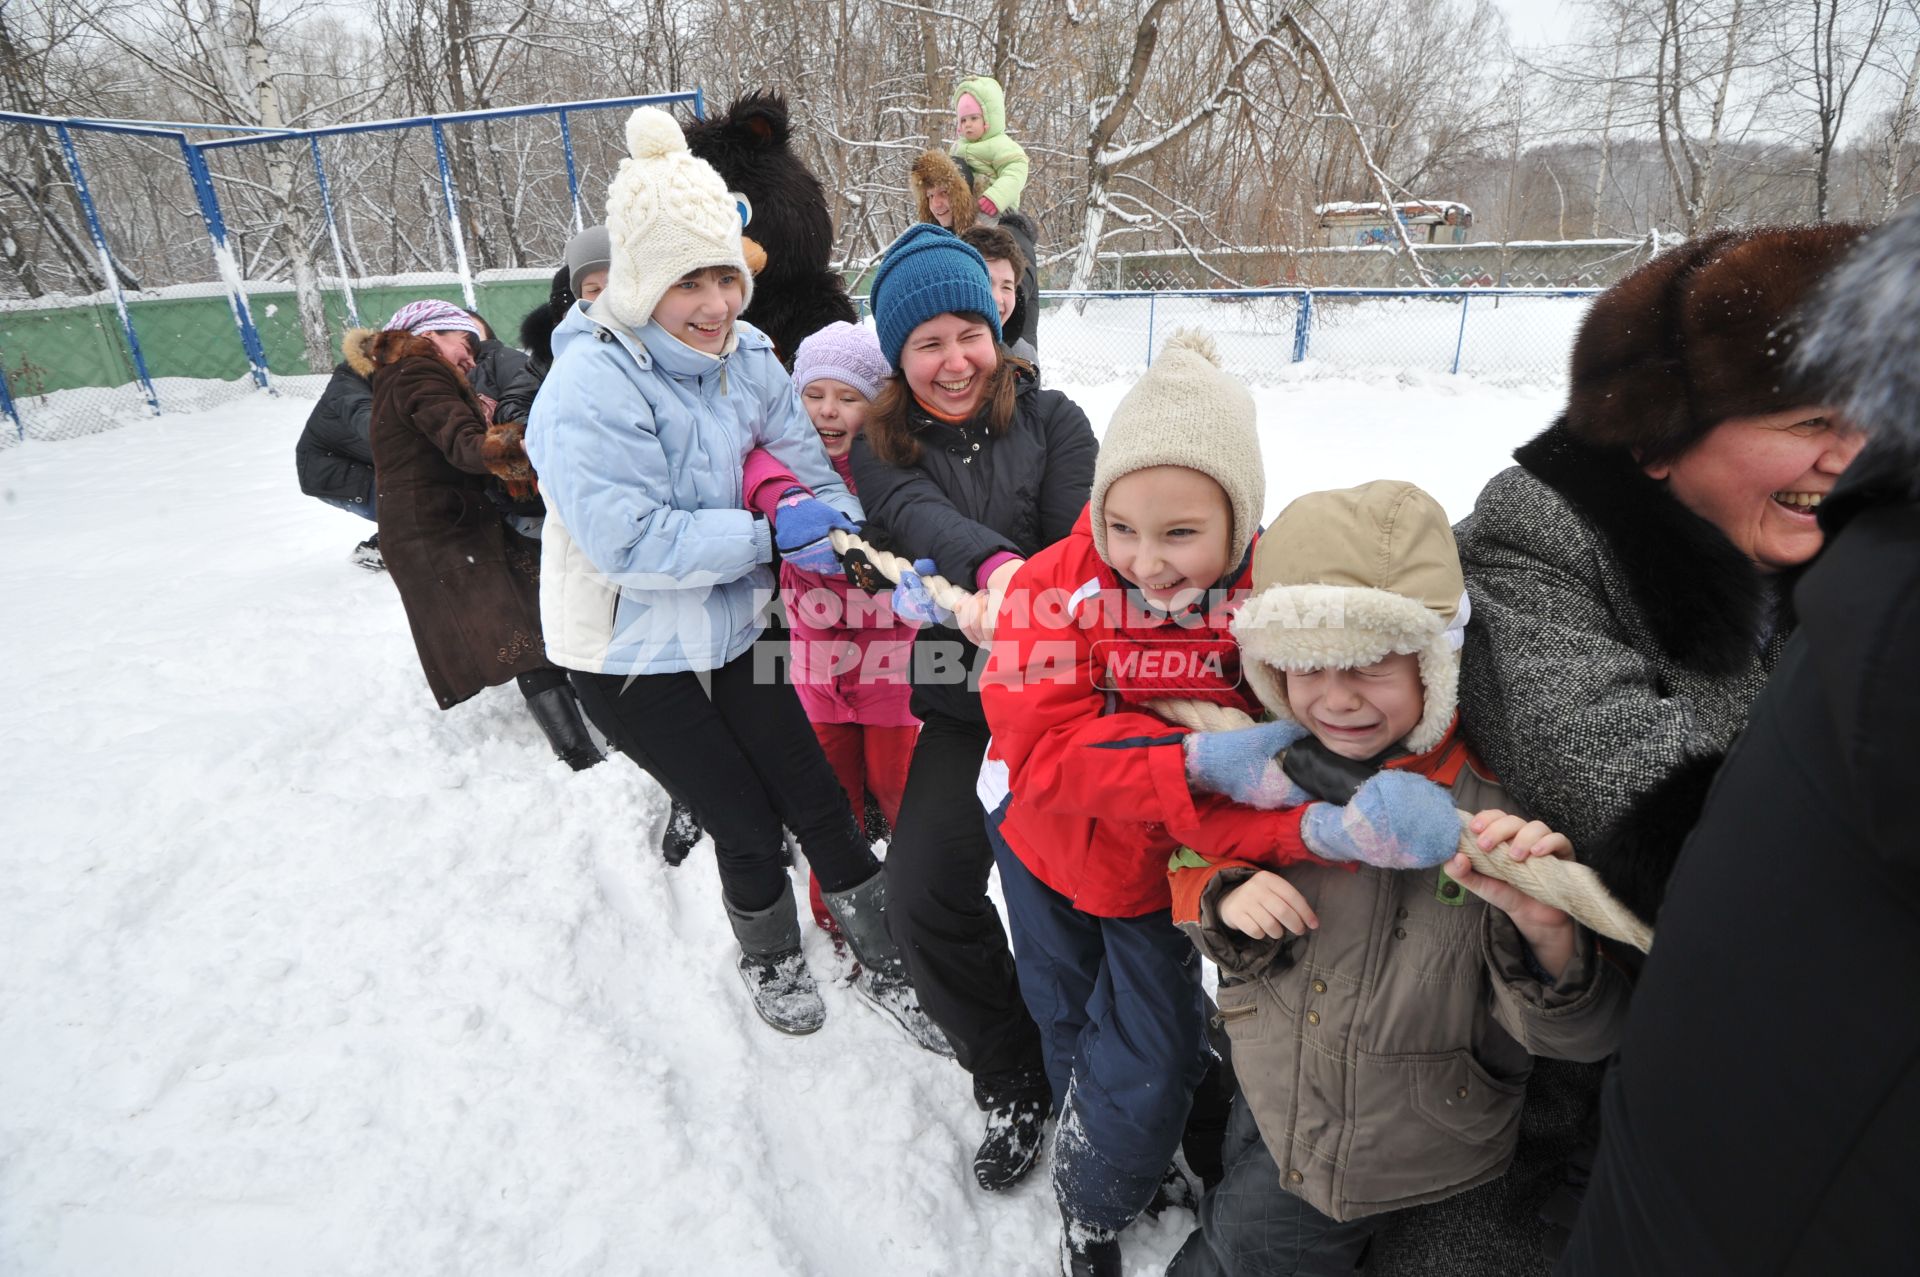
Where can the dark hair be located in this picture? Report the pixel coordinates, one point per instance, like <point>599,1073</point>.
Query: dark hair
<point>997,245</point>
<point>889,429</point>
<point>486,329</point>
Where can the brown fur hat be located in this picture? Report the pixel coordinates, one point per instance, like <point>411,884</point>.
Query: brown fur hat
<point>1698,335</point>
<point>936,170</point>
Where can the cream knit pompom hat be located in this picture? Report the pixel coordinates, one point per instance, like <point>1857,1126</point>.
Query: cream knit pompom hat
<point>1187,412</point>
<point>667,213</point>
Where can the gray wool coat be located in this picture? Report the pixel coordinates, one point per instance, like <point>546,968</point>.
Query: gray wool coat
<point>1616,645</point>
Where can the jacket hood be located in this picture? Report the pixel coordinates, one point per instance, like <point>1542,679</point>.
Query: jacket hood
<point>651,344</point>
<point>993,102</point>
<point>369,349</point>
<point>935,170</point>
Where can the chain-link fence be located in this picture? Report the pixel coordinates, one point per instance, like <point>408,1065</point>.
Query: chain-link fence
<point>1508,336</point>
<point>156,272</point>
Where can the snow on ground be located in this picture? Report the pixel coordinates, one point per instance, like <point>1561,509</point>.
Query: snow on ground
<point>304,976</point>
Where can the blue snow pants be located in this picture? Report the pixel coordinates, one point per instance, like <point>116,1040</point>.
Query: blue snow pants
<point>1123,1025</point>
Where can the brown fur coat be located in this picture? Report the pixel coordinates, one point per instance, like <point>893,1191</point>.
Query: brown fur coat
<point>469,582</point>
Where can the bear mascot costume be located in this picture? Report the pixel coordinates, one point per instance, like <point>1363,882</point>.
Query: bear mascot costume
<point>796,293</point>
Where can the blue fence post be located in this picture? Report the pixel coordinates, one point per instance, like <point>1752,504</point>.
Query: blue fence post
<point>700,105</point>
<point>1461,339</point>
<point>106,264</point>
<point>453,216</point>
<point>6,406</point>
<point>573,179</point>
<point>1151,299</point>
<point>223,262</point>
<point>1302,322</point>
<point>333,233</point>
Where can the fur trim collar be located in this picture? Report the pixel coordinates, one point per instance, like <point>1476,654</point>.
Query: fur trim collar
<point>1704,600</point>
<point>936,170</point>
<point>368,350</point>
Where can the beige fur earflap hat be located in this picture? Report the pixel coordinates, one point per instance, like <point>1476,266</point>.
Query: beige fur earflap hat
<point>1186,412</point>
<point>1346,578</point>
<point>667,213</point>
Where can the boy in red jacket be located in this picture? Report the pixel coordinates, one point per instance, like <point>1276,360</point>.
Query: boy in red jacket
<point>1090,792</point>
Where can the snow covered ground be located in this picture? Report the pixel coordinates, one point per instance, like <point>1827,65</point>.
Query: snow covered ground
<point>303,976</point>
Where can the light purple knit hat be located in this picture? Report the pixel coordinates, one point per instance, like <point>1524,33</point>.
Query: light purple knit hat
<point>430,315</point>
<point>845,352</point>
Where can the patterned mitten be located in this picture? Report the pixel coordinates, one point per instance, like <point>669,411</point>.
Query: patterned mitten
<point>913,601</point>
<point>1396,820</point>
<point>800,528</point>
<point>1242,765</point>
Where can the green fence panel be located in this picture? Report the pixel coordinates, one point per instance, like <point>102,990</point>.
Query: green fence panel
<point>66,347</point>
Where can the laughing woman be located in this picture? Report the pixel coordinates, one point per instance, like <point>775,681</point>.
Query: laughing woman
<point>1630,581</point>
<point>971,467</point>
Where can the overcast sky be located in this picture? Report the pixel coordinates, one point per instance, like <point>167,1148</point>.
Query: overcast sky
<point>1537,22</point>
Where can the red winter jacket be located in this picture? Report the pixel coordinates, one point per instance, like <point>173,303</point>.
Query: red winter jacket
<point>1098,783</point>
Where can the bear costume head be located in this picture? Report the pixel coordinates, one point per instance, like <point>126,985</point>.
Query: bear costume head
<point>795,294</point>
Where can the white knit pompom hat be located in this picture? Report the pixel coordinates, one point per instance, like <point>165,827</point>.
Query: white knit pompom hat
<point>667,213</point>
<point>1186,411</point>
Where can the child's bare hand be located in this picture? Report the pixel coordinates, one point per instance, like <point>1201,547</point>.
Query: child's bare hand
<point>1267,907</point>
<point>1525,839</point>
<point>1547,930</point>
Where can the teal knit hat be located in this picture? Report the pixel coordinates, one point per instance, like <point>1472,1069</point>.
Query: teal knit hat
<point>928,271</point>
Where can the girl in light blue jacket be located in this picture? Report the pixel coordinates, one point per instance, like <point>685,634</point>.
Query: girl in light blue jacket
<point>655,577</point>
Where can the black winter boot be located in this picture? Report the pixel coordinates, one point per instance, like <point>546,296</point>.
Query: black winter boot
<point>367,555</point>
<point>681,833</point>
<point>559,717</point>
<point>1174,1192</point>
<point>1012,1142</point>
<point>1086,1251</point>
<point>862,914</point>
<point>776,975</point>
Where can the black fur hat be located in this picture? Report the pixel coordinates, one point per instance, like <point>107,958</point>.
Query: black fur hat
<point>536,328</point>
<point>1698,335</point>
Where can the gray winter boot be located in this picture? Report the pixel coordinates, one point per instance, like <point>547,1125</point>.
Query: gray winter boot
<point>772,968</point>
<point>862,914</point>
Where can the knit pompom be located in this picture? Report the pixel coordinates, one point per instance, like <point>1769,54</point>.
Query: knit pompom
<point>652,132</point>
<point>1197,340</point>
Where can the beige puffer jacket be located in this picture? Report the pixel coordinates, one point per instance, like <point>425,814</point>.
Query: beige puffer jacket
<point>1386,1054</point>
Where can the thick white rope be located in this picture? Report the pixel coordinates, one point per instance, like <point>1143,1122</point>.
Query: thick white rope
<point>1564,884</point>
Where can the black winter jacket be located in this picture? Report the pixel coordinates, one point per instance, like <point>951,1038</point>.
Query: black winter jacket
<point>969,497</point>
<point>1023,325</point>
<point>1762,1113</point>
<point>334,457</point>
<point>497,370</point>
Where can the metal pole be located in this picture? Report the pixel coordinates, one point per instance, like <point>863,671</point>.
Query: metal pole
<point>333,233</point>
<point>699,104</point>
<point>223,261</point>
<point>1302,321</point>
<point>1460,340</point>
<point>7,406</point>
<point>106,265</point>
<point>1151,299</point>
<point>453,216</point>
<point>573,180</point>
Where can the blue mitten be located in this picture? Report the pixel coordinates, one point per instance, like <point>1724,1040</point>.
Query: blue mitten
<point>912,601</point>
<point>1396,820</point>
<point>800,528</point>
<point>1241,765</point>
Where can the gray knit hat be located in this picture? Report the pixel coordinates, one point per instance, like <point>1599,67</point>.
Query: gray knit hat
<point>1187,412</point>
<point>587,252</point>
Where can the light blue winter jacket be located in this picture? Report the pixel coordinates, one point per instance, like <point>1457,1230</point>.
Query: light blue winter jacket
<point>649,562</point>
